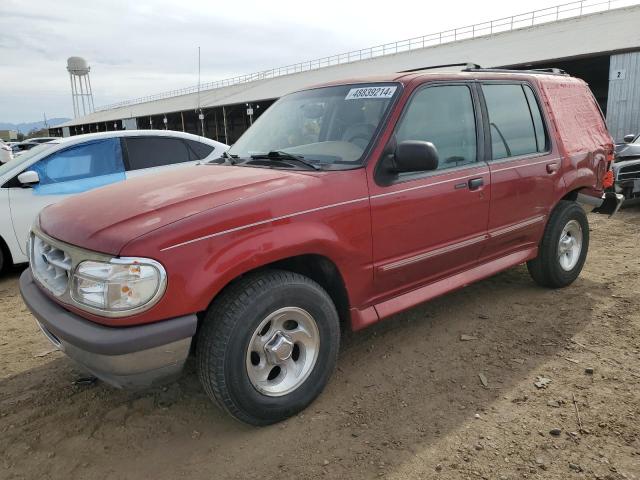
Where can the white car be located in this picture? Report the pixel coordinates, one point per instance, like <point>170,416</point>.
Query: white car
<point>24,146</point>
<point>42,139</point>
<point>6,153</point>
<point>63,167</point>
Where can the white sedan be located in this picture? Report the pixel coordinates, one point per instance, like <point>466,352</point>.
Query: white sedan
<point>62,167</point>
<point>6,153</point>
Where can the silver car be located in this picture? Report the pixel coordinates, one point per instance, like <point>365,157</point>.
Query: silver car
<point>626,168</point>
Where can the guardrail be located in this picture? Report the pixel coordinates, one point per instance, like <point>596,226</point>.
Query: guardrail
<point>514,22</point>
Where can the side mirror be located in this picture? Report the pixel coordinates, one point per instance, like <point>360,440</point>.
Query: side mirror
<point>30,177</point>
<point>415,156</point>
<point>629,138</point>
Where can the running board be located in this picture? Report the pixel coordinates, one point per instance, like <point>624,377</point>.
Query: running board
<point>440,287</point>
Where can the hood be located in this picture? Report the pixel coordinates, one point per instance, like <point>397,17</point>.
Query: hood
<point>105,219</point>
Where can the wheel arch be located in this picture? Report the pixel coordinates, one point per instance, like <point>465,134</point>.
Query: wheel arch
<point>572,195</point>
<point>319,268</point>
<point>7,259</point>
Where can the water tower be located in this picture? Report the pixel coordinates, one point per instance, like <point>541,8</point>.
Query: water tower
<point>81,93</point>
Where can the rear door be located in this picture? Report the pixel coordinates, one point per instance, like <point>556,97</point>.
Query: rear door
<point>524,167</point>
<point>147,154</point>
<point>432,224</point>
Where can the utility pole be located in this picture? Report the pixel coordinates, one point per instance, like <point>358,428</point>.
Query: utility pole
<point>200,115</point>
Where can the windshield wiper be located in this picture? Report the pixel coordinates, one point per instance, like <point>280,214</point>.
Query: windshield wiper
<point>279,155</point>
<point>228,158</point>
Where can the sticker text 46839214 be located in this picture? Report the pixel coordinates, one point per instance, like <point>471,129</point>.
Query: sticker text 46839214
<point>370,92</point>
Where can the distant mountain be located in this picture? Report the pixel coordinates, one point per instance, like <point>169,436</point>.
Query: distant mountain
<point>28,126</point>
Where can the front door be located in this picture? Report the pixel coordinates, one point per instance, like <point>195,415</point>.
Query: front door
<point>428,225</point>
<point>74,170</point>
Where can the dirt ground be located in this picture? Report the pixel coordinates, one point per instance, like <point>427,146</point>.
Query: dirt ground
<point>407,400</point>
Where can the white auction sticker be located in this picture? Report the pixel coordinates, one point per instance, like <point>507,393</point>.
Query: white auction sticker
<point>370,92</point>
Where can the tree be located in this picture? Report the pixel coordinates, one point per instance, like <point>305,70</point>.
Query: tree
<point>42,132</point>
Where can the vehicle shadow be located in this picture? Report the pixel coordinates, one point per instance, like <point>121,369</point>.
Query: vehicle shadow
<point>399,386</point>
<point>13,271</point>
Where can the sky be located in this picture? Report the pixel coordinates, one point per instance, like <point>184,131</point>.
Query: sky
<point>142,47</point>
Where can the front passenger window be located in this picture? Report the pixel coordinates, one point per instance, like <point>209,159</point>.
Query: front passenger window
<point>444,116</point>
<point>80,168</point>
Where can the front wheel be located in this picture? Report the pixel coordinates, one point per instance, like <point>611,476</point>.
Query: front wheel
<point>563,249</point>
<point>268,346</point>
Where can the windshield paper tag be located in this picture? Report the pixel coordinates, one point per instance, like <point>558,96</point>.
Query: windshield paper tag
<point>370,92</point>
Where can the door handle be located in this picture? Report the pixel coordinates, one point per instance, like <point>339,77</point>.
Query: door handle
<point>552,167</point>
<point>475,183</point>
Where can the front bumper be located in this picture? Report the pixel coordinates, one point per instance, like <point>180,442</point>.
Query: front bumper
<point>125,357</point>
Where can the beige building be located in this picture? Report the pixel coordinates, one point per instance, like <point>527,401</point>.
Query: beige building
<point>8,135</point>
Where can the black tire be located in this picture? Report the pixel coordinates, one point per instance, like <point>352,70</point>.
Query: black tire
<point>228,328</point>
<point>546,269</point>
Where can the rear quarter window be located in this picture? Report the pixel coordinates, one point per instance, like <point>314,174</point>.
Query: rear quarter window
<point>199,150</point>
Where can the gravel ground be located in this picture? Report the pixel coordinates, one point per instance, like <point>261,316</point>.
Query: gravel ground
<point>410,399</point>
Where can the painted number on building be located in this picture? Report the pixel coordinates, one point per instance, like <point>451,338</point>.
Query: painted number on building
<point>370,92</point>
<point>618,75</point>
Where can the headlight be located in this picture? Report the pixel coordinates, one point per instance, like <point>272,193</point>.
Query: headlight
<point>122,286</point>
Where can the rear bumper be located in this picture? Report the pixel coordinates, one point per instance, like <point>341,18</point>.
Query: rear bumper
<point>125,357</point>
<point>608,203</point>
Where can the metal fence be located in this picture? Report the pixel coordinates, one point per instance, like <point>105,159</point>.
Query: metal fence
<point>523,20</point>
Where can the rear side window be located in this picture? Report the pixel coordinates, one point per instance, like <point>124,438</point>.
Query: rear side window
<point>444,116</point>
<point>515,121</point>
<point>148,152</point>
<point>199,150</point>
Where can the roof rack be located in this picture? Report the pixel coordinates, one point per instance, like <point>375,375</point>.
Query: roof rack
<point>548,71</point>
<point>467,65</point>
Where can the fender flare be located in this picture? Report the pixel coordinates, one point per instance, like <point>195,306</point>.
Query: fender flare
<point>240,256</point>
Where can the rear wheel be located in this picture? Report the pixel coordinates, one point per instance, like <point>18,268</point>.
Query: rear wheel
<point>268,346</point>
<point>563,249</point>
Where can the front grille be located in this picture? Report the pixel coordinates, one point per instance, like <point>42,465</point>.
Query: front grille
<point>51,266</point>
<point>629,172</point>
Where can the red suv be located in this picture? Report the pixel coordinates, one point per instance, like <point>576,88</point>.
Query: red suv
<point>342,205</point>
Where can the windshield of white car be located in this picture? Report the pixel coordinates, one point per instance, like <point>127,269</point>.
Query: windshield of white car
<point>25,157</point>
<point>331,127</point>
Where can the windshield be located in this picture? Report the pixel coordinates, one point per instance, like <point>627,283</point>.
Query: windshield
<point>24,157</point>
<point>330,126</point>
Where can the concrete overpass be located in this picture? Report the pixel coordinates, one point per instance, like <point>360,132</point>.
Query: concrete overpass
<point>602,47</point>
